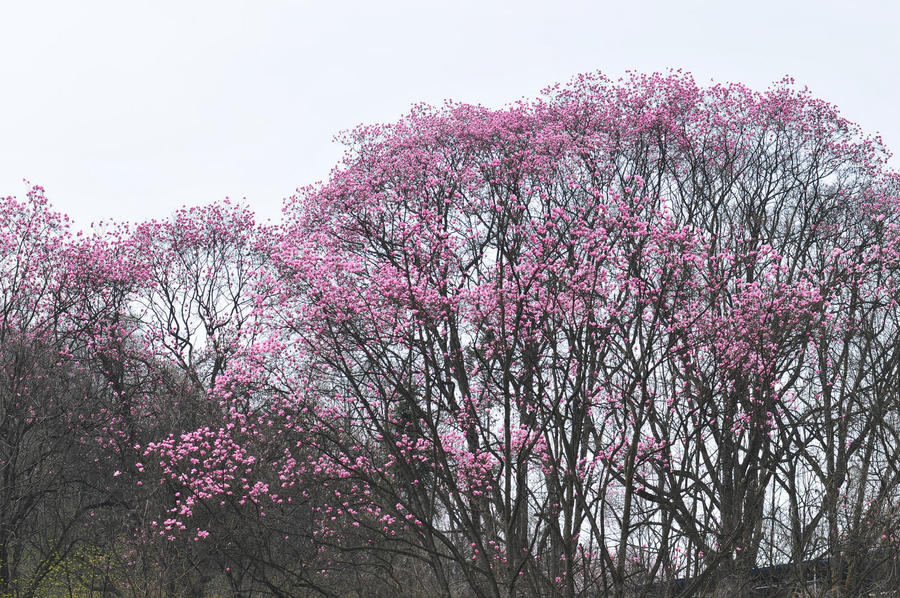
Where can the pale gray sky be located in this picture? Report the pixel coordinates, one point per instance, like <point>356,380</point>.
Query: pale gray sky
<point>127,110</point>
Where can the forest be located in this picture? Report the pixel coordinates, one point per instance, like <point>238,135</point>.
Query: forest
<point>630,338</point>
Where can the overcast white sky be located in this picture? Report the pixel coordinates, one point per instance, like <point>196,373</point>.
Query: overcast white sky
<point>127,110</point>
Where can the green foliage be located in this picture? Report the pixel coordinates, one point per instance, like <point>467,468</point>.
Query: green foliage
<point>86,572</point>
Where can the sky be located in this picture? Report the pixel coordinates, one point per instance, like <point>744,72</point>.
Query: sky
<point>127,110</point>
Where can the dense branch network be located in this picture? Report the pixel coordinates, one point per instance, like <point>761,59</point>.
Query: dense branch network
<point>629,338</point>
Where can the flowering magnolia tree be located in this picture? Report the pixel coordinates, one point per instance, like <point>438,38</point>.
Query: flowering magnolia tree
<point>628,337</point>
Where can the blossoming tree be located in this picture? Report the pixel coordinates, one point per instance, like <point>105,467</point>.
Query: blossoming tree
<point>629,334</point>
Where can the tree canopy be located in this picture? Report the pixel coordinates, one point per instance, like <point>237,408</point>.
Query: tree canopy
<point>625,337</point>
